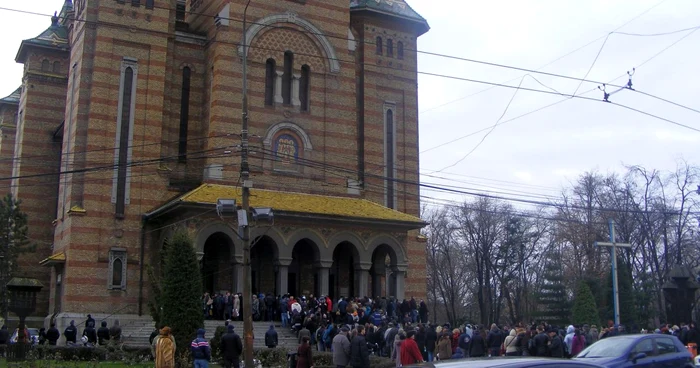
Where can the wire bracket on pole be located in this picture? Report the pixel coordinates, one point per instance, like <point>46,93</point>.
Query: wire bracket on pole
<point>606,94</point>
<point>629,79</point>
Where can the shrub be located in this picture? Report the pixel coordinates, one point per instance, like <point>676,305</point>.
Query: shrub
<point>181,290</point>
<point>215,342</point>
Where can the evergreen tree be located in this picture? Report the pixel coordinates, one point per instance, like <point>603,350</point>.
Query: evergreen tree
<point>552,300</point>
<point>628,307</point>
<point>584,310</point>
<point>13,242</point>
<point>181,290</point>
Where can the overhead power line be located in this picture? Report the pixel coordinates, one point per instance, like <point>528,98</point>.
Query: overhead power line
<point>345,38</point>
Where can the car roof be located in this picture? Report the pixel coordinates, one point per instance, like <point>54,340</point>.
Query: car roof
<point>506,363</point>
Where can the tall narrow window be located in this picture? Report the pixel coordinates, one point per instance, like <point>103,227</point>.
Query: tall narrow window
<point>389,145</point>
<point>287,78</point>
<point>184,115</point>
<point>45,66</point>
<point>270,71</point>
<point>305,87</point>
<point>125,126</point>
<point>390,48</point>
<point>399,49</point>
<point>56,67</point>
<point>117,269</point>
<point>380,46</point>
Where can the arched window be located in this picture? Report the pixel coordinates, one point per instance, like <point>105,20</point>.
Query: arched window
<point>390,48</point>
<point>184,114</point>
<point>125,121</point>
<point>45,66</point>
<point>399,49</point>
<point>270,71</point>
<point>380,46</point>
<point>56,67</point>
<point>116,279</point>
<point>287,78</point>
<point>117,267</point>
<point>305,87</point>
<point>389,152</point>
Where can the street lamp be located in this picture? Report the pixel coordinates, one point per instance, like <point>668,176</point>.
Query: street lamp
<point>23,303</point>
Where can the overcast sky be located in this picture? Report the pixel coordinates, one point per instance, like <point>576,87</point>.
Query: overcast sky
<point>544,150</point>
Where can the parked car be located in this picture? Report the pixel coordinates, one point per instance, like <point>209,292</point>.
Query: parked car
<point>652,350</point>
<point>33,333</point>
<point>509,362</point>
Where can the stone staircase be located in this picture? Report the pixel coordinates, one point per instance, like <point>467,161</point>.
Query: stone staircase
<point>136,333</point>
<point>285,337</point>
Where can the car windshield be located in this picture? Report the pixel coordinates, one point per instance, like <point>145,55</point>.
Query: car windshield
<point>607,348</point>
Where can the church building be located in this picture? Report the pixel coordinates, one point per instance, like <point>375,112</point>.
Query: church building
<point>127,125</point>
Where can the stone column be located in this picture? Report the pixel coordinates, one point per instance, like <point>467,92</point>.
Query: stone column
<point>323,280</point>
<point>278,87</point>
<point>400,275</point>
<point>361,279</point>
<point>283,275</point>
<point>237,278</point>
<point>295,90</point>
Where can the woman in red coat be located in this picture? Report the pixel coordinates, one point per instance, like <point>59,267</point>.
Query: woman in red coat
<point>409,350</point>
<point>304,359</point>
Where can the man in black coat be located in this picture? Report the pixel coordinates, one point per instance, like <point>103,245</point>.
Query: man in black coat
<point>271,308</point>
<point>71,333</point>
<point>271,337</point>
<point>90,322</point>
<point>541,342</point>
<point>91,335</point>
<point>556,345</point>
<point>103,333</point>
<point>359,354</point>
<point>430,340</point>
<point>52,334</point>
<point>4,335</point>
<point>231,348</point>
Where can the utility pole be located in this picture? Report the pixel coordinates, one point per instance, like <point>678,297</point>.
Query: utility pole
<point>613,255</point>
<point>245,198</point>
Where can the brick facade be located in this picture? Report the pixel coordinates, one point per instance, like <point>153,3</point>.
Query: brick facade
<point>338,141</point>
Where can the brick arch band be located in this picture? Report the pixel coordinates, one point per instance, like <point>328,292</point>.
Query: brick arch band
<point>253,30</point>
<point>286,125</point>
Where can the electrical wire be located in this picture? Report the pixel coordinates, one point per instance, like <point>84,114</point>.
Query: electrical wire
<point>582,80</point>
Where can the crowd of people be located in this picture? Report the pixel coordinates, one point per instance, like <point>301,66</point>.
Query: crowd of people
<point>90,336</point>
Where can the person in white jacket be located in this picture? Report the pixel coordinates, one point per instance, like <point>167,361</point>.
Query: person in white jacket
<point>569,339</point>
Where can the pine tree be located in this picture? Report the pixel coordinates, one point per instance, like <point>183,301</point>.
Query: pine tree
<point>181,290</point>
<point>13,242</point>
<point>552,300</point>
<point>585,310</point>
<point>628,306</point>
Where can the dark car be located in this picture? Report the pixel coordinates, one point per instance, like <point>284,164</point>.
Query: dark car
<point>653,350</point>
<point>506,362</point>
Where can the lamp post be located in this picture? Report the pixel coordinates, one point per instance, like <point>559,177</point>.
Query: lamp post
<point>23,303</point>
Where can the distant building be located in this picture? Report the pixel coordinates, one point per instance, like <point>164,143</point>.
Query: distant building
<point>139,104</point>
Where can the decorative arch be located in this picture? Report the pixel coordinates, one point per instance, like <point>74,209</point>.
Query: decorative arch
<point>289,17</point>
<point>217,227</point>
<point>287,125</point>
<point>358,245</point>
<point>323,252</point>
<point>395,245</point>
<point>257,232</point>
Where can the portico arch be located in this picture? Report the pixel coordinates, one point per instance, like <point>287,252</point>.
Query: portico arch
<point>312,31</point>
<point>388,266</point>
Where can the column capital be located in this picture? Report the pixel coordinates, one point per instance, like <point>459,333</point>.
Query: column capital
<point>324,263</point>
<point>279,72</point>
<point>400,268</point>
<point>363,266</point>
<point>285,262</point>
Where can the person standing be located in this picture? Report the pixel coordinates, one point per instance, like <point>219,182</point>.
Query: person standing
<point>231,348</point>
<point>71,333</point>
<point>90,322</point>
<point>341,348</point>
<point>103,334</point>
<point>271,337</point>
<point>430,341</point>
<point>556,345</point>
<point>359,354</point>
<point>115,332</point>
<point>304,357</point>
<point>201,352</point>
<point>164,349</point>
<point>444,347</point>
<point>409,350</point>
<point>52,334</point>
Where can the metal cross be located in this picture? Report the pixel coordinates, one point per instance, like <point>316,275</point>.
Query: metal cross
<point>613,254</point>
